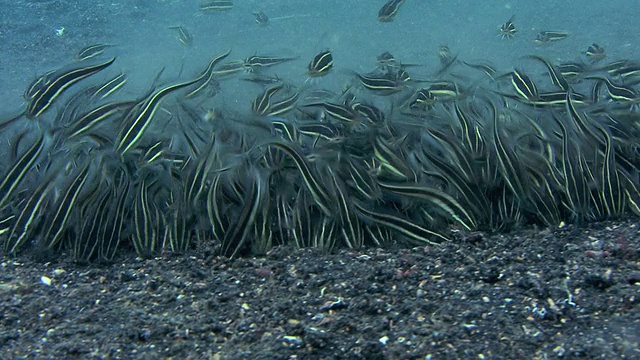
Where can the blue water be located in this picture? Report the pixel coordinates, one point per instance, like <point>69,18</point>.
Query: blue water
<point>145,44</point>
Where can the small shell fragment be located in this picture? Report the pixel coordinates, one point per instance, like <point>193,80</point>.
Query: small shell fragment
<point>45,280</point>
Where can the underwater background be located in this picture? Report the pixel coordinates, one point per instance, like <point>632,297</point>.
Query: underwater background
<point>145,44</point>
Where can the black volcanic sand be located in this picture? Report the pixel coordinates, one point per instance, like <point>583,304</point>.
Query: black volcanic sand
<point>571,292</point>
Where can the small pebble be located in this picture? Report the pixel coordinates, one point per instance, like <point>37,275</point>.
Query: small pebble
<point>294,340</point>
<point>633,278</point>
<point>383,340</point>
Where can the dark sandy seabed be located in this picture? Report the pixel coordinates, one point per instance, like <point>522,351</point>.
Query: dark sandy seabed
<point>571,292</point>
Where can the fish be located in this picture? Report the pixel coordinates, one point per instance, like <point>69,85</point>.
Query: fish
<point>583,124</point>
<point>547,37</point>
<point>618,92</point>
<point>423,100</point>
<point>217,221</point>
<point>623,68</point>
<point>417,233</point>
<point>325,131</point>
<point>363,181</point>
<point>36,86</point>
<point>508,29</point>
<point>55,84</point>
<point>207,76</point>
<point>573,70</point>
<point>262,103</point>
<point>386,60</point>
<point>392,159</point>
<point>196,182</point>
<point>595,52</point>
<point>610,178</point>
<point>84,123</point>
<point>93,213</point>
<point>146,220</point>
<point>351,227</point>
<point>446,64</point>
<point>445,55</point>
<point>217,5</point>
<point>314,184</point>
<point>575,186</point>
<point>523,85</point>
<point>109,233</point>
<point>184,36</point>
<point>401,76</point>
<point>66,202</point>
<point>252,202</point>
<point>261,79</point>
<point>389,10</point>
<point>16,174</point>
<point>444,91</point>
<point>5,224</point>
<point>30,216</point>
<point>92,51</point>
<point>556,77</point>
<point>321,64</point>
<point>510,166</point>
<point>264,61</point>
<point>372,115</point>
<point>230,68</point>
<point>109,87</point>
<point>436,197</point>
<point>381,84</point>
<point>284,129</point>
<point>339,112</point>
<point>631,71</point>
<point>284,105</point>
<point>261,18</point>
<point>551,98</point>
<point>139,117</point>
<point>489,70</point>
<point>471,140</point>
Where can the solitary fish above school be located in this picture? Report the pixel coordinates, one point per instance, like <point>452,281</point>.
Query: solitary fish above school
<point>508,30</point>
<point>595,52</point>
<point>216,5</point>
<point>547,37</point>
<point>389,10</point>
<point>184,36</point>
<point>261,18</point>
